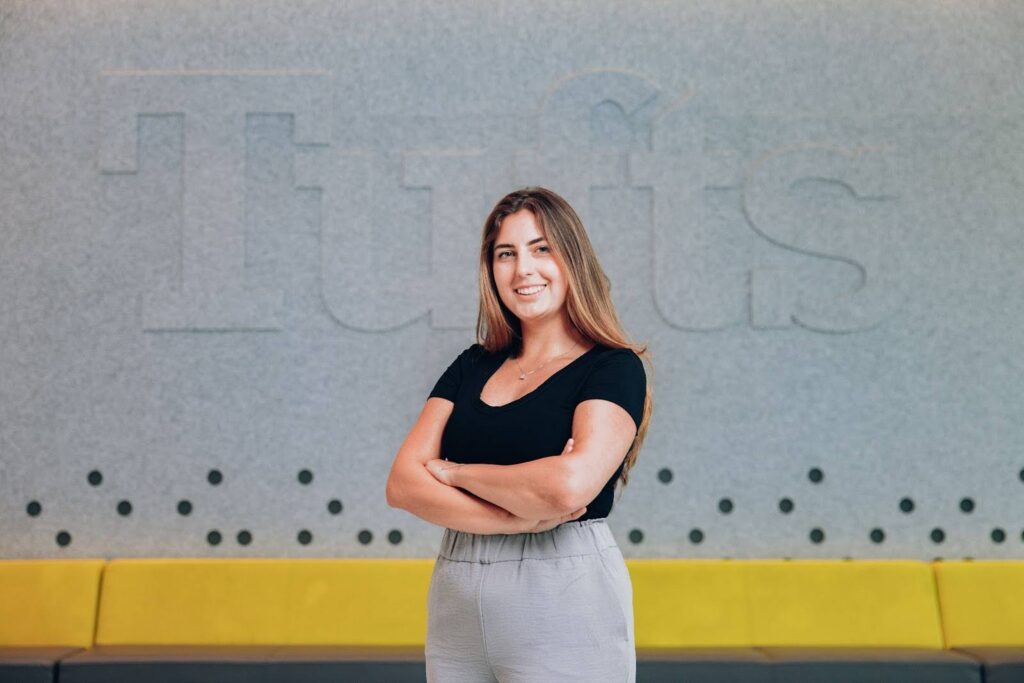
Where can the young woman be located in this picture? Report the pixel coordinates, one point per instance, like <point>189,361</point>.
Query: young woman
<point>517,453</point>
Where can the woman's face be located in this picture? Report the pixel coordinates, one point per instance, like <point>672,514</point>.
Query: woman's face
<point>522,258</point>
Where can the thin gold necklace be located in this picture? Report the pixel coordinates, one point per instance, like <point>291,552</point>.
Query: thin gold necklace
<point>522,375</point>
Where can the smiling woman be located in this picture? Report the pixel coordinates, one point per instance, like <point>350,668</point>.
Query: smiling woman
<point>518,452</point>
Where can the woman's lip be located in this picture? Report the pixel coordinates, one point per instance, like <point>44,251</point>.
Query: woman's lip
<point>542,288</point>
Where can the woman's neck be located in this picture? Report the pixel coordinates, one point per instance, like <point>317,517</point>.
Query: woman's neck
<point>542,345</point>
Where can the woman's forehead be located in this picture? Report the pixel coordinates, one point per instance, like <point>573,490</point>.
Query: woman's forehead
<point>520,226</point>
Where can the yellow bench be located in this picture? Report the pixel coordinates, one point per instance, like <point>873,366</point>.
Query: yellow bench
<point>47,612</point>
<point>982,605</point>
<point>265,602</point>
<point>695,619</point>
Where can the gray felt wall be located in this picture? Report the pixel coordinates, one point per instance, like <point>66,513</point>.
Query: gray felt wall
<point>237,248</point>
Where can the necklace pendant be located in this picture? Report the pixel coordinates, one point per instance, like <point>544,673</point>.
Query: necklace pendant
<point>522,375</point>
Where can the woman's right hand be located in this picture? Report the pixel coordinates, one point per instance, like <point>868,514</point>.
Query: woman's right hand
<point>518,525</point>
<point>532,526</point>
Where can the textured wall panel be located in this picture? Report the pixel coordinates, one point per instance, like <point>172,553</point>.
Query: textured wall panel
<point>238,246</point>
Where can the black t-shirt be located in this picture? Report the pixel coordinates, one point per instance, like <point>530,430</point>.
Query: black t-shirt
<point>539,423</point>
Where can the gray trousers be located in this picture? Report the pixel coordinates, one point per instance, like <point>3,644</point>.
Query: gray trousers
<point>545,607</point>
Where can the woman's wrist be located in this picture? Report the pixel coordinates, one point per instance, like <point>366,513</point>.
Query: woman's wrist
<point>452,473</point>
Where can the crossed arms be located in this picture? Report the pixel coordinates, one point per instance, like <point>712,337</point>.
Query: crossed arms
<point>488,498</point>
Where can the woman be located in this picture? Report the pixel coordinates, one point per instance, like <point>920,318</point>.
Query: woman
<point>517,453</point>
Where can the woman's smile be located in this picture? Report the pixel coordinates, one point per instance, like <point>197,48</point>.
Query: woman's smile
<point>530,292</point>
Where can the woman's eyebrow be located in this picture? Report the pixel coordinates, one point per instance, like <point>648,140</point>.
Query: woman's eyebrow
<point>533,241</point>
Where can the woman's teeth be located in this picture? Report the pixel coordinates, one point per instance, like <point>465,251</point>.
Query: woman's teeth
<point>528,291</point>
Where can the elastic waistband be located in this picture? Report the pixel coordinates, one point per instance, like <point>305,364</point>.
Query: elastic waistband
<point>571,538</point>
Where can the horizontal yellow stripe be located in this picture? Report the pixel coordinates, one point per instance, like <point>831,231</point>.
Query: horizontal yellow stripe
<point>677,603</point>
<point>265,601</point>
<point>982,602</point>
<point>48,602</point>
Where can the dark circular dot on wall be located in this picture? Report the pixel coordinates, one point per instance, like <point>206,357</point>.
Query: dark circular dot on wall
<point>244,537</point>
<point>664,475</point>
<point>725,505</point>
<point>998,535</point>
<point>305,537</point>
<point>786,505</point>
<point>815,474</point>
<point>95,478</point>
<point>906,505</point>
<point>817,535</point>
<point>184,507</point>
<point>696,536</point>
<point>1021,474</point>
<point>334,507</point>
<point>214,477</point>
<point>877,535</point>
<point>33,508</point>
<point>938,535</point>
<point>394,537</point>
<point>305,476</point>
<point>63,538</point>
<point>636,536</point>
<point>213,538</point>
<point>966,505</point>
<point>365,537</point>
<point>124,508</point>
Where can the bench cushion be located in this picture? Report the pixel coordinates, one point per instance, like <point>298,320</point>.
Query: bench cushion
<point>822,603</point>
<point>753,603</point>
<point>982,602</point>
<point>264,601</point>
<point>48,602</point>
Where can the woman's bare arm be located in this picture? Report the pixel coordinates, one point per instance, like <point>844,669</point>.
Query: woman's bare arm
<point>537,489</point>
<point>411,487</point>
<point>427,498</point>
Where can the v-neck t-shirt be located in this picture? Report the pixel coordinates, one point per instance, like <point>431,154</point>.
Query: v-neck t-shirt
<point>537,424</point>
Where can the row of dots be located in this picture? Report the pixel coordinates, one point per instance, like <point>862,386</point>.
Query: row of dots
<point>214,477</point>
<point>334,506</point>
<point>817,535</point>
<point>184,507</point>
<point>815,474</point>
<point>636,536</point>
<point>244,537</point>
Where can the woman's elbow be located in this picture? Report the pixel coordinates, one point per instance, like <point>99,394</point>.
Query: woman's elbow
<point>393,491</point>
<point>390,496</point>
<point>568,498</point>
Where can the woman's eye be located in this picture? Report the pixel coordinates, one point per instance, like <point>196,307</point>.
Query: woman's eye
<point>502,253</point>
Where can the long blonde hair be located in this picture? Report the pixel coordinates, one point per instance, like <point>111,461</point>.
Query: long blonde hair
<point>588,299</point>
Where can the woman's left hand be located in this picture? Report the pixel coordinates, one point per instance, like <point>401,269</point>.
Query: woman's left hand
<point>439,468</point>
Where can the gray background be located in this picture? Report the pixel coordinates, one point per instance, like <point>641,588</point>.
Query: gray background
<point>241,236</point>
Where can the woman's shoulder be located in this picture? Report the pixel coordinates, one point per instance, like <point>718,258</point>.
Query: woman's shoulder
<point>602,351</point>
<point>617,359</point>
<point>474,354</point>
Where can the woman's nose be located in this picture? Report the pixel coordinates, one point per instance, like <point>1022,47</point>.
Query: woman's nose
<point>524,266</point>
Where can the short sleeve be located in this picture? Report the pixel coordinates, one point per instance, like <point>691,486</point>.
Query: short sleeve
<point>618,377</point>
<point>447,386</point>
